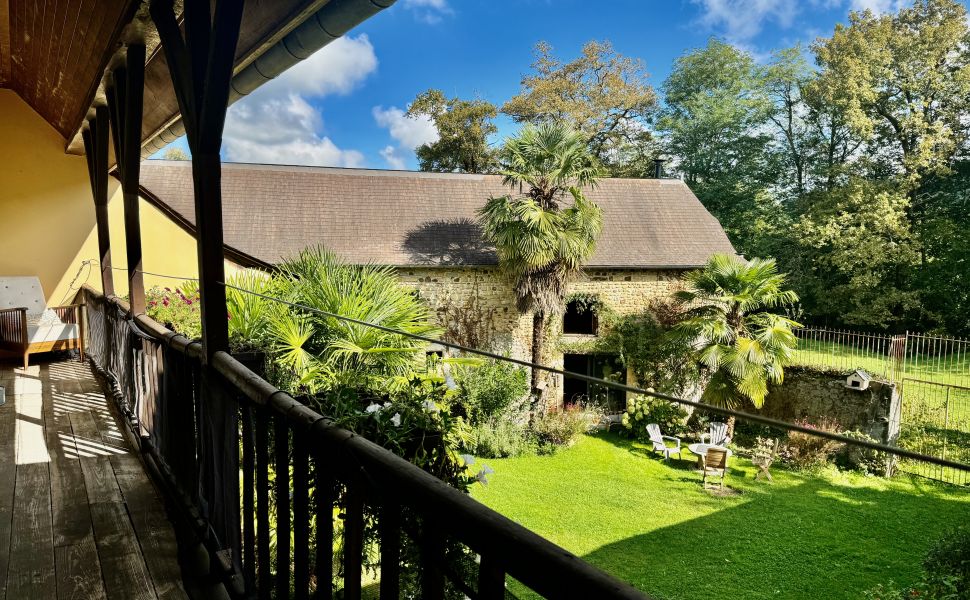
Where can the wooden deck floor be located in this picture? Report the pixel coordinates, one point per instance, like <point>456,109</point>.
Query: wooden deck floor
<point>79,517</point>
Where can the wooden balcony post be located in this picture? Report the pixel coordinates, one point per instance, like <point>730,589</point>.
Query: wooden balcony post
<point>96,151</point>
<point>125,95</point>
<point>201,64</point>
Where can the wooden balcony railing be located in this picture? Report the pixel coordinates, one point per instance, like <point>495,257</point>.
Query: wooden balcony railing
<point>215,435</point>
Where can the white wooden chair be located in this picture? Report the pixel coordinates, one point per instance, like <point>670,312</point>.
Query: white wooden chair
<point>717,435</point>
<point>660,441</point>
<point>28,326</point>
<point>714,464</point>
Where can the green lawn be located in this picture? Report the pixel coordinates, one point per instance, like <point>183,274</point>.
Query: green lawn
<point>651,523</point>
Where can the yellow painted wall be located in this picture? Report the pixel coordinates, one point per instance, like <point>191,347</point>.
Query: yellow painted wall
<point>47,223</point>
<point>166,249</point>
<point>46,209</point>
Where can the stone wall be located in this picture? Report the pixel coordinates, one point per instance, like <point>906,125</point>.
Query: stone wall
<point>813,395</point>
<point>625,291</point>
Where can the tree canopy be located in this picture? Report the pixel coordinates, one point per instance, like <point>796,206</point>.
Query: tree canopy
<point>464,127</point>
<point>602,94</point>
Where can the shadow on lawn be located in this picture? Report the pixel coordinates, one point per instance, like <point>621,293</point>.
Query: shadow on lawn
<point>802,537</point>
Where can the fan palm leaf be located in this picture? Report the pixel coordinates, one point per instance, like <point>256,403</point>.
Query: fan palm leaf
<point>729,323</point>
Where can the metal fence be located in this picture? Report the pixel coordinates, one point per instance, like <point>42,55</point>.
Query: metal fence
<point>932,374</point>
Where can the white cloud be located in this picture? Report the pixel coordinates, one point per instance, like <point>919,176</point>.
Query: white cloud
<point>408,132</point>
<point>337,68</point>
<point>394,158</point>
<point>877,6</point>
<point>283,131</point>
<point>277,123</point>
<point>429,11</point>
<point>741,20</point>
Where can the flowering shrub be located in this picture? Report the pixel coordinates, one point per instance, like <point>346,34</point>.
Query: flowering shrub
<point>806,452</point>
<point>178,309</point>
<point>643,410</point>
<point>413,422</point>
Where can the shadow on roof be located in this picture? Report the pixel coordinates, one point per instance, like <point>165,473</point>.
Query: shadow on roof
<point>455,242</point>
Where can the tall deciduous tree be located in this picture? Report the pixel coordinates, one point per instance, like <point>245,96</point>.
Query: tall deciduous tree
<point>546,228</point>
<point>714,124</point>
<point>855,254</point>
<point>904,80</point>
<point>603,94</point>
<point>464,127</point>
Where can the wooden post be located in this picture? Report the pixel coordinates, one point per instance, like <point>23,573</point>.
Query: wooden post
<point>96,151</point>
<point>125,97</point>
<point>201,66</point>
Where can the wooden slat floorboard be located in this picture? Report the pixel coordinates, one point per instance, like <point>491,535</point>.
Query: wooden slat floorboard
<point>8,475</point>
<point>30,573</point>
<point>81,518</point>
<point>78,571</point>
<point>122,565</point>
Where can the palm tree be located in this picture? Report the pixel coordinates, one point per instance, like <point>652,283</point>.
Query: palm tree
<point>728,321</point>
<point>543,235</point>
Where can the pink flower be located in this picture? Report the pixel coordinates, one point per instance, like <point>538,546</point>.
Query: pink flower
<point>165,302</point>
<point>168,289</point>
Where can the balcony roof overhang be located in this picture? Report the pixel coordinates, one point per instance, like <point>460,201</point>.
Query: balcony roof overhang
<point>54,54</point>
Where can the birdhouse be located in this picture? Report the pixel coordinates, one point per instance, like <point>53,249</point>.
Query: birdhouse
<point>858,380</point>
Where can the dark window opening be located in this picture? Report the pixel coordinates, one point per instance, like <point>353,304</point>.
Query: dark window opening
<point>601,366</point>
<point>580,318</point>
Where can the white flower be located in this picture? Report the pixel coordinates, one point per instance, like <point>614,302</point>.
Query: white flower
<point>482,475</point>
<point>430,406</point>
<point>373,408</point>
<point>396,419</point>
<point>468,459</point>
<point>387,405</point>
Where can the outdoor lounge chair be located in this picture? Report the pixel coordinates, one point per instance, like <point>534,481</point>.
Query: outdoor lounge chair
<point>28,326</point>
<point>660,441</point>
<point>714,463</point>
<point>717,435</point>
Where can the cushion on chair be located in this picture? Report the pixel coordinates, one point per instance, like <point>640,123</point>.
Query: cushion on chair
<point>51,333</point>
<point>22,292</point>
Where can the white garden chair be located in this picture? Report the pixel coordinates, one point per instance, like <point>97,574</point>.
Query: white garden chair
<point>717,435</point>
<point>659,441</point>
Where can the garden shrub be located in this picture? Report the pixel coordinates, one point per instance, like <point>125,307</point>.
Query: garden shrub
<point>499,439</point>
<point>746,433</point>
<point>807,452</point>
<point>856,458</point>
<point>658,358</point>
<point>947,564</point>
<point>643,410</point>
<point>561,427</point>
<point>493,389</point>
<point>410,423</point>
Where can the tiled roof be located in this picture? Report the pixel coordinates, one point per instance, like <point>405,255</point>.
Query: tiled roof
<point>404,218</point>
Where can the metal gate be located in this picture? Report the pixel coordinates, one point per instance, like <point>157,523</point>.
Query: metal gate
<point>933,377</point>
<point>935,392</point>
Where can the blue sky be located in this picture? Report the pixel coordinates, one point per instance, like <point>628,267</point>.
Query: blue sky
<point>344,105</point>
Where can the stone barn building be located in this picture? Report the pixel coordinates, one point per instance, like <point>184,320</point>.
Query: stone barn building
<point>425,226</point>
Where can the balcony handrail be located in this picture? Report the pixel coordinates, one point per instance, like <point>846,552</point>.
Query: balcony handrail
<point>538,563</point>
